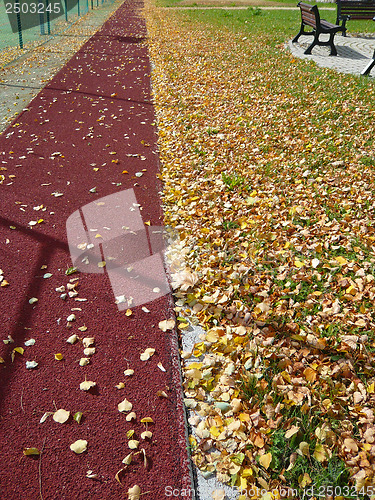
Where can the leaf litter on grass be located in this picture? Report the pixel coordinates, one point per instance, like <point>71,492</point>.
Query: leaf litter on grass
<point>268,176</point>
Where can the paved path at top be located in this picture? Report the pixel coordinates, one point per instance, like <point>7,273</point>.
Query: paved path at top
<point>90,133</point>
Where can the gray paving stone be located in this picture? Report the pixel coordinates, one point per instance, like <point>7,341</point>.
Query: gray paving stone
<point>353,52</point>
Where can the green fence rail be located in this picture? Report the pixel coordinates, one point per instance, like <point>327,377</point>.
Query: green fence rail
<point>47,21</point>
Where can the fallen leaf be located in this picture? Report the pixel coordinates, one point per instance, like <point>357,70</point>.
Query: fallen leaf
<point>125,406</point>
<point>218,495</point>
<point>265,460</point>
<point>30,365</point>
<point>290,432</point>
<point>79,446</point>
<point>147,420</point>
<point>161,367</point>
<point>134,492</point>
<point>61,416</point>
<point>133,444</point>
<point>31,451</point>
<point>89,351</point>
<point>88,341</point>
<point>86,385</point>
<point>146,435</point>
<point>147,354</point>
<point>78,416</point>
<point>91,475</point>
<point>167,324</point>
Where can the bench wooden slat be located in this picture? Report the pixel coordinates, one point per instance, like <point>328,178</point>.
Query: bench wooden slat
<point>355,10</point>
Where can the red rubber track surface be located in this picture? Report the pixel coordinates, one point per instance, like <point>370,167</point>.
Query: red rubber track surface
<point>110,77</point>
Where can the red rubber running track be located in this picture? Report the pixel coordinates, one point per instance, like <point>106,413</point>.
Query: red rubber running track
<point>70,147</point>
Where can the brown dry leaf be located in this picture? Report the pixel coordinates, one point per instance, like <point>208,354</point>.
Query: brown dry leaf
<point>118,475</point>
<point>286,286</point>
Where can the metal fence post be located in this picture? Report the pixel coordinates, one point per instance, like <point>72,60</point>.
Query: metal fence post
<point>79,10</point>
<point>66,9</point>
<point>19,26</point>
<point>48,20</point>
<point>41,23</point>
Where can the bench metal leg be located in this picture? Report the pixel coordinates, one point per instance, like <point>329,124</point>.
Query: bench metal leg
<point>369,67</point>
<point>315,42</point>
<point>332,45</point>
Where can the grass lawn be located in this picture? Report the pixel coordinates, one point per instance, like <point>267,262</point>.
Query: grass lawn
<point>268,168</point>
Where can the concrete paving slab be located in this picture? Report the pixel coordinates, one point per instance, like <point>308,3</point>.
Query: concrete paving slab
<point>354,52</point>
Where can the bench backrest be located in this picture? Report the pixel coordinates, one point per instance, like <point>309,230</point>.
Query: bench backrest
<point>309,14</point>
<point>356,9</point>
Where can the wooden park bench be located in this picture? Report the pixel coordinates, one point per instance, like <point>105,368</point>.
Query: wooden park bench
<point>354,9</point>
<point>310,17</point>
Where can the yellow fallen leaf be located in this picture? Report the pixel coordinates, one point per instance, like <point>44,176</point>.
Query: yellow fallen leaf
<point>146,435</point>
<point>304,480</point>
<point>128,459</point>
<point>88,341</point>
<point>79,446</point>
<point>61,416</point>
<point>265,460</point>
<point>341,260</point>
<point>86,385</point>
<point>147,354</point>
<point>124,406</point>
<point>167,324</point>
<point>133,444</point>
<point>31,451</point>
<point>134,493</point>
<point>59,356</point>
<point>118,475</point>
<point>147,420</point>
<point>129,312</point>
<point>320,454</point>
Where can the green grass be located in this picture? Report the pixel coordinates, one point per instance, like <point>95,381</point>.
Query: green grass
<point>325,113</point>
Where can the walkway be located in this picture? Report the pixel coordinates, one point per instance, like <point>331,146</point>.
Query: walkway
<point>87,140</point>
<point>353,53</point>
